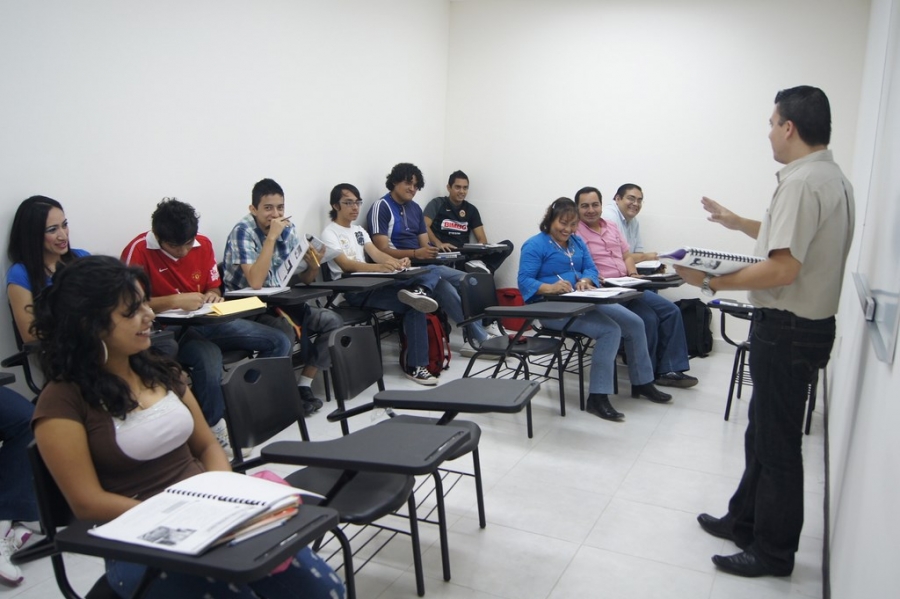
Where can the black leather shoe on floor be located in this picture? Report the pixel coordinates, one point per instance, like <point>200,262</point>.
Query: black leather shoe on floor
<point>719,527</point>
<point>598,405</point>
<point>745,564</point>
<point>650,392</point>
<point>676,379</point>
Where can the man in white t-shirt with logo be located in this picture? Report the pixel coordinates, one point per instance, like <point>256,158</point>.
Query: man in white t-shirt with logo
<point>408,297</point>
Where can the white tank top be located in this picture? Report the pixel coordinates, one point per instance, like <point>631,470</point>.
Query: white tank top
<point>161,428</point>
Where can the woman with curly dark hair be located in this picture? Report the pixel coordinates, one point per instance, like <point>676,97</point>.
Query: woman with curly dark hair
<point>38,242</point>
<point>116,424</point>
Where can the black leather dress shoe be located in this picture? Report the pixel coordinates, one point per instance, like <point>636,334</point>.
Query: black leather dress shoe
<point>720,527</point>
<point>745,564</point>
<point>650,392</point>
<point>598,405</point>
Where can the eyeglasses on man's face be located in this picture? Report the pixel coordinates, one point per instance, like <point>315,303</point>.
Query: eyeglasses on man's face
<point>351,203</point>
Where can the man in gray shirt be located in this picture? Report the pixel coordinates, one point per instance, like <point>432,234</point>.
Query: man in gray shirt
<point>627,204</point>
<point>805,237</point>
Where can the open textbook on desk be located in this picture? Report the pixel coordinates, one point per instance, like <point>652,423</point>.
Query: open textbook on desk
<point>198,512</point>
<point>709,261</point>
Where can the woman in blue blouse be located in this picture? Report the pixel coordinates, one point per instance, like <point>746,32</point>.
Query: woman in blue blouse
<point>38,242</point>
<point>556,261</point>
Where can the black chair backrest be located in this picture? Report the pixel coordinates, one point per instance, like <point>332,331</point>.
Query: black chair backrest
<point>477,293</point>
<point>53,508</point>
<point>355,361</point>
<point>261,400</point>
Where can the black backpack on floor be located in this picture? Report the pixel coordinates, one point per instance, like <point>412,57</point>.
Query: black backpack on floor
<point>697,318</point>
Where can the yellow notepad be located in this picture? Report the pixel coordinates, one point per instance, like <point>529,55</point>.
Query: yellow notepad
<point>238,305</point>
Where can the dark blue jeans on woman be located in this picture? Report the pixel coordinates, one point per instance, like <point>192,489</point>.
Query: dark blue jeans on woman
<point>786,352</point>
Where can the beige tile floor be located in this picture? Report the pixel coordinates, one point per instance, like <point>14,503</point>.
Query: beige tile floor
<point>586,508</point>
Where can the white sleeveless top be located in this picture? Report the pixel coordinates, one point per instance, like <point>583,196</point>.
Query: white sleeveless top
<point>151,433</point>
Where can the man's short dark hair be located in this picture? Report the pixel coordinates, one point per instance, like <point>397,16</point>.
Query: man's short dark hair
<point>623,189</point>
<point>174,222</point>
<point>457,175</point>
<point>335,198</point>
<point>404,171</point>
<point>585,191</point>
<point>559,208</point>
<point>266,187</point>
<point>808,108</point>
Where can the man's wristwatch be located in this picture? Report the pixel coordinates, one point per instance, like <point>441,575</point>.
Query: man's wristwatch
<point>705,288</point>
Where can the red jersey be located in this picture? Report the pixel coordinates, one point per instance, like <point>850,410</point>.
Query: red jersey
<point>197,271</point>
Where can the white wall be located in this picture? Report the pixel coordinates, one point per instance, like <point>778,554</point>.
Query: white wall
<point>108,106</point>
<point>547,97</point>
<point>864,408</point>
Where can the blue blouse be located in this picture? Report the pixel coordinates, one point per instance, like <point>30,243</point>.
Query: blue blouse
<point>543,261</point>
<point>17,275</point>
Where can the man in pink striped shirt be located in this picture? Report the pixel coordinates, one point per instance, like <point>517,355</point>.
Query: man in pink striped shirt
<point>666,342</point>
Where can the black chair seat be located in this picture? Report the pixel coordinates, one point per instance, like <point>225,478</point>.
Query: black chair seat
<point>367,497</point>
<point>528,346</point>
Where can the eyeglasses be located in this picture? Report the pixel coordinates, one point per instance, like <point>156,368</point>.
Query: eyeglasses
<point>351,203</point>
<point>634,200</point>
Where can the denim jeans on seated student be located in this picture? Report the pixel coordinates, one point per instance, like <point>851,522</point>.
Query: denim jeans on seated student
<point>606,335</point>
<point>308,576</point>
<point>200,350</point>
<point>640,366</point>
<point>664,330</point>
<point>414,322</point>
<point>447,294</point>
<point>16,491</point>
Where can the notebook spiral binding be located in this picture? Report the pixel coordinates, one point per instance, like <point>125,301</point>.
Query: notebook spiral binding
<point>721,255</point>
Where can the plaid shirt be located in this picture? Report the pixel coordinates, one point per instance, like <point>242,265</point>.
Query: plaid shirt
<point>243,247</point>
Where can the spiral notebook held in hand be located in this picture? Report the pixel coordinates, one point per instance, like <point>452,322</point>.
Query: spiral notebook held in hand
<point>194,514</point>
<point>709,261</point>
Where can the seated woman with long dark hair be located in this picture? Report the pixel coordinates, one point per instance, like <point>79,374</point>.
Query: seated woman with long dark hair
<point>116,424</point>
<point>38,242</point>
<point>557,261</point>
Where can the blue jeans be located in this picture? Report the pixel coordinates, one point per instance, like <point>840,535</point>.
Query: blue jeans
<point>786,352</point>
<point>606,334</point>
<point>664,330</point>
<point>640,367</point>
<point>447,294</point>
<point>414,323</point>
<point>200,350</point>
<point>308,576</point>
<point>16,488</point>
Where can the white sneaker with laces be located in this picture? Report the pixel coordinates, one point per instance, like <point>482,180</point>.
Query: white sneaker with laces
<point>493,330</point>
<point>421,375</point>
<point>417,299</point>
<point>477,266</point>
<point>220,430</point>
<point>9,573</point>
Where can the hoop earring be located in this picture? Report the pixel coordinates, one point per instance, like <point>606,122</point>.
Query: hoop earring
<point>105,353</point>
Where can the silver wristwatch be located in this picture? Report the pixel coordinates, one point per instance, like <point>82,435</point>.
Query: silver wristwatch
<point>705,288</point>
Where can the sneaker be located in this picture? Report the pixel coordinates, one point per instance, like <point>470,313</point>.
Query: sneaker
<point>493,330</point>
<point>220,430</point>
<point>311,403</point>
<point>477,266</point>
<point>417,299</point>
<point>9,573</point>
<point>23,532</point>
<point>421,375</point>
<point>676,379</point>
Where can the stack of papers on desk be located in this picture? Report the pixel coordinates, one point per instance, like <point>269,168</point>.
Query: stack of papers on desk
<point>194,514</point>
<point>623,281</point>
<point>250,291</point>
<point>601,293</point>
<point>217,309</point>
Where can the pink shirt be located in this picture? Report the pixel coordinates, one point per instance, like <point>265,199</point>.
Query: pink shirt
<point>607,248</point>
